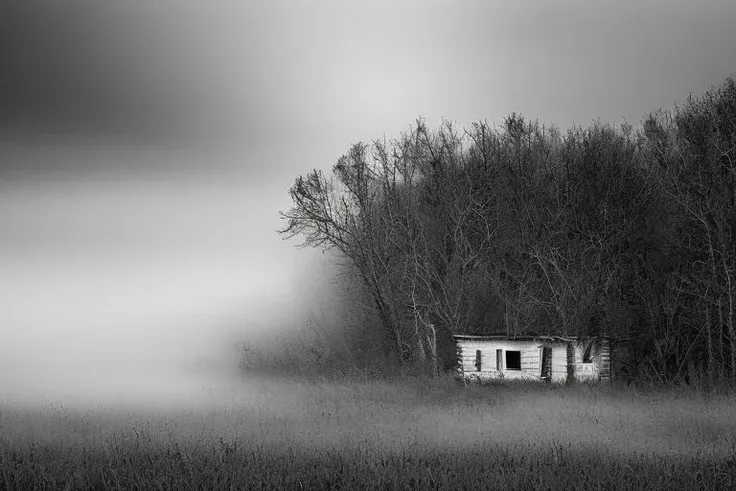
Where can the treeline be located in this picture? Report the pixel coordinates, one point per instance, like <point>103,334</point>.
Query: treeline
<point>625,232</point>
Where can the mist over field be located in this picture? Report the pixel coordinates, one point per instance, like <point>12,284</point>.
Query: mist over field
<point>147,148</point>
<point>131,285</point>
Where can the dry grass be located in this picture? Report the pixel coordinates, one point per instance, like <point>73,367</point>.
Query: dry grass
<point>275,433</point>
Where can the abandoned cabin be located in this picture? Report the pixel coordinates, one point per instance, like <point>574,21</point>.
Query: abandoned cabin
<point>552,359</point>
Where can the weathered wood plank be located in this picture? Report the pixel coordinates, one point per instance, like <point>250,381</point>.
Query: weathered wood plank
<point>565,361</point>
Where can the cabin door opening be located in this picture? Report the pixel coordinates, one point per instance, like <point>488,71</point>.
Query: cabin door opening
<point>547,363</point>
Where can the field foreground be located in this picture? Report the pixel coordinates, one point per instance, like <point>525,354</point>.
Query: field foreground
<point>261,433</point>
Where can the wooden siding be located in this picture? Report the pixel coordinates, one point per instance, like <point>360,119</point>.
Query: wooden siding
<point>531,368</point>
<point>604,361</point>
<point>559,363</point>
<point>599,367</point>
<point>585,372</point>
<point>530,360</point>
<point>566,364</point>
<point>579,370</point>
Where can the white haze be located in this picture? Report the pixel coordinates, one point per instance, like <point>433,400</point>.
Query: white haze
<point>123,272</point>
<point>133,288</point>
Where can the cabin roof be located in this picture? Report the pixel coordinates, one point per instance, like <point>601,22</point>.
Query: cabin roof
<point>506,337</point>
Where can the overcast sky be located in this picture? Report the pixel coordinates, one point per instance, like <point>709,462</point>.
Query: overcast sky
<point>147,147</point>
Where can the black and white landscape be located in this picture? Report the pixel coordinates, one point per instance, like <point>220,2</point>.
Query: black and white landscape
<point>518,261</point>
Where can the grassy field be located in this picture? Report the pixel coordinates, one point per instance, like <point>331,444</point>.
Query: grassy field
<point>261,433</point>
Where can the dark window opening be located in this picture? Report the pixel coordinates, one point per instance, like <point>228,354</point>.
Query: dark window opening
<point>546,363</point>
<point>499,360</point>
<point>513,360</point>
<point>478,356</point>
<point>588,353</point>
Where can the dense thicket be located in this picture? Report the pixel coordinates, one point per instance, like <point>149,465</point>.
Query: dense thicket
<point>624,232</point>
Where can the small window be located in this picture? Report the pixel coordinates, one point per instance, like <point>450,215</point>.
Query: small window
<point>513,360</point>
<point>478,356</point>
<point>499,360</point>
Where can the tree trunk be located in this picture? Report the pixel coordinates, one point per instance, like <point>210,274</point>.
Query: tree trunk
<point>731,327</point>
<point>431,337</point>
<point>420,355</point>
<point>709,340</point>
<point>389,325</point>
<point>714,279</point>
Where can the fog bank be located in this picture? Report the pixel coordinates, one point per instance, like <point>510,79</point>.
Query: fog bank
<point>129,286</point>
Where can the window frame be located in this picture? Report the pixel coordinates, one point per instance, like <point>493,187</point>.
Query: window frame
<point>513,368</point>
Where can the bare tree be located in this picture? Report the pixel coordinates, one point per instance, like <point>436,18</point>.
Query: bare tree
<point>600,231</point>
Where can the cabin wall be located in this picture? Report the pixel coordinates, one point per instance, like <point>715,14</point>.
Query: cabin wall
<point>599,367</point>
<point>531,366</point>
<point>604,361</point>
<point>584,372</point>
<point>559,363</point>
<point>567,364</point>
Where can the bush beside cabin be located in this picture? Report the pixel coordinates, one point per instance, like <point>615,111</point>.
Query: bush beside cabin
<point>552,359</point>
